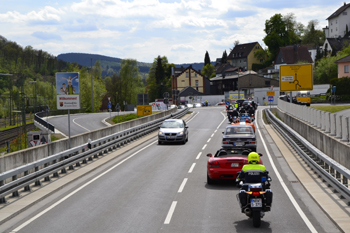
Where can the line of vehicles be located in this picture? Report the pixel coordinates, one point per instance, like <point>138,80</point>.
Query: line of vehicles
<point>238,152</point>
<point>230,162</point>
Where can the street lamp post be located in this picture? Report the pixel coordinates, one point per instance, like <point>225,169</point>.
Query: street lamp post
<point>33,95</point>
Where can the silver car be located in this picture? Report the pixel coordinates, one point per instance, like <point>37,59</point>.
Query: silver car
<point>173,130</point>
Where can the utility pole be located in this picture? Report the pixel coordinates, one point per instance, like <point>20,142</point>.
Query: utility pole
<point>92,91</point>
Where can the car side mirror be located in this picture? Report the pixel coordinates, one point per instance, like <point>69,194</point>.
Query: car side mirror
<point>260,154</point>
<point>209,155</point>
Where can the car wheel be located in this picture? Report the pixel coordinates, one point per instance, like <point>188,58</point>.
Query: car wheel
<point>159,143</point>
<point>209,181</point>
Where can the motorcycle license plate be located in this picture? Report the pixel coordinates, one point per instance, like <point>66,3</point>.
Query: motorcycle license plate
<point>256,202</point>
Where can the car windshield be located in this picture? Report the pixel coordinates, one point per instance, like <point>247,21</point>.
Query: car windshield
<point>172,124</point>
<point>233,153</point>
<point>239,130</point>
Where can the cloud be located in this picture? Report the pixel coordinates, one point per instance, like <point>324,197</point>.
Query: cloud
<point>47,14</point>
<point>182,47</point>
<point>46,36</point>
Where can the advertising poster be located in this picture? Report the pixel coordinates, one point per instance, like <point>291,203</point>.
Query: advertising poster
<point>68,90</point>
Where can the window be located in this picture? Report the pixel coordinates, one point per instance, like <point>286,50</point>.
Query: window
<point>195,75</point>
<point>345,13</point>
<point>197,84</point>
<point>267,83</point>
<point>346,69</point>
<point>186,74</point>
<point>282,59</point>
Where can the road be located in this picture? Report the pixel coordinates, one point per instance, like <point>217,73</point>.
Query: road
<point>81,123</point>
<point>162,188</point>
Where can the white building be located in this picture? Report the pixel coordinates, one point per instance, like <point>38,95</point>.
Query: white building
<point>338,22</point>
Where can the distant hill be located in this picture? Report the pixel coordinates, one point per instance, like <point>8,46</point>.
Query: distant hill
<point>113,63</point>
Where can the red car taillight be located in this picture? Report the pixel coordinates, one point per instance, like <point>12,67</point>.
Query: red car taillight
<point>213,163</point>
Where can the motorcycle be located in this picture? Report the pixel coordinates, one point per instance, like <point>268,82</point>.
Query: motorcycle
<point>255,199</point>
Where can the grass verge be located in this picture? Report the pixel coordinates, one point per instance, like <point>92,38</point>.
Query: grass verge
<point>332,109</point>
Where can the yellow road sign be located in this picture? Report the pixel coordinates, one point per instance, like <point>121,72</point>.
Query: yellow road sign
<point>296,77</point>
<point>270,93</point>
<point>144,110</point>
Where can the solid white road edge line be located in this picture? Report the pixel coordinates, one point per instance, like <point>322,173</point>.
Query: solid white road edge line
<point>289,194</point>
<point>105,122</point>
<point>192,167</point>
<point>170,213</point>
<point>182,185</point>
<point>80,125</point>
<point>199,155</point>
<point>78,189</point>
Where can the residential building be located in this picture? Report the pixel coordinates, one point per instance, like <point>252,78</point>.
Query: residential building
<point>343,67</point>
<point>242,56</point>
<point>189,77</point>
<point>338,22</point>
<point>291,55</point>
<point>333,45</point>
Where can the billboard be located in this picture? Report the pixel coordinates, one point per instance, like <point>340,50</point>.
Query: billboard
<point>296,77</point>
<point>67,90</point>
<point>233,96</point>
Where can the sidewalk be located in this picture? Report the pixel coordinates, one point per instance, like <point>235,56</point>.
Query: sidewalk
<point>318,190</point>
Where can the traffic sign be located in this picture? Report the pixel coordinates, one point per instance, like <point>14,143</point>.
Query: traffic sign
<point>270,93</point>
<point>227,102</point>
<point>270,98</point>
<point>296,77</point>
<point>109,105</point>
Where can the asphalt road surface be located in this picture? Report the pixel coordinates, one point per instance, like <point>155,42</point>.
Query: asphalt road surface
<point>163,188</point>
<point>82,123</point>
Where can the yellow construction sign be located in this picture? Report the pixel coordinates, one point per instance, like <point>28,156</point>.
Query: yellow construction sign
<point>144,110</point>
<point>270,93</point>
<point>296,77</point>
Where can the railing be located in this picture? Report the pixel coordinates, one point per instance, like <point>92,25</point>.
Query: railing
<point>330,171</point>
<point>34,172</point>
<point>38,118</point>
<point>333,123</point>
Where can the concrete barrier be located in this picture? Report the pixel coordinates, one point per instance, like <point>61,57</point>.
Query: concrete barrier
<point>333,123</point>
<point>22,157</point>
<point>331,146</point>
<point>339,122</point>
<point>327,122</point>
<point>345,129</point>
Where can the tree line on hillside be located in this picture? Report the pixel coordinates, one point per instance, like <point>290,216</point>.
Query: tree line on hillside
<point>33,84</point>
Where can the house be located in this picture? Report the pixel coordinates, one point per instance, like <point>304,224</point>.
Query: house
<point>242,56</point>
<point>189,77</point>
<point>225,69</point>
<point>333,45</point>
<point>338,22</point>
<point>343,67</point>
<point>243,81</point>
<point>291,55</point>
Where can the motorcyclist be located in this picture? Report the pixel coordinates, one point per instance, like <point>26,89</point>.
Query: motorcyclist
<point>253,171</point>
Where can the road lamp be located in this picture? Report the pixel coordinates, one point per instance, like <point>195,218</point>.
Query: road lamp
<point>33,95</point>
<point>10,96</point>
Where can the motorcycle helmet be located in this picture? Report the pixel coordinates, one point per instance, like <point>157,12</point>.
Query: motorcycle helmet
<point>253,157</point>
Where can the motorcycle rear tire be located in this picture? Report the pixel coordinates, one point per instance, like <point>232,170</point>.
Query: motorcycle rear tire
<point>256,219</point>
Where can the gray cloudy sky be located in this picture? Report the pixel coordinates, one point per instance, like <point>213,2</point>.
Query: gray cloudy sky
<point>181,30</point>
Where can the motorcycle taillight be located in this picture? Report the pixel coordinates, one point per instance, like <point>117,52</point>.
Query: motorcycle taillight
<point>255,194</point>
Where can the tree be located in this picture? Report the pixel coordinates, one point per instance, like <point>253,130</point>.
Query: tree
<point>281,31</point>
<point>206,58</point>
<point>326,70</point>
<point>208,71</point>
<point>224,57</point>
<point>131,83</point>
<point>159,78</point>
<point>313,35</point>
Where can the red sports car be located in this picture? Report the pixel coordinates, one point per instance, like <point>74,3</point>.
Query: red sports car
<point>226,163</point>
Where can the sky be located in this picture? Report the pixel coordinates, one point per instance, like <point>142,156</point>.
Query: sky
<point>181,30</point>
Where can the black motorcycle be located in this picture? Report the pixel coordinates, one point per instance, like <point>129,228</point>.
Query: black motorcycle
<point>255,199</point>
